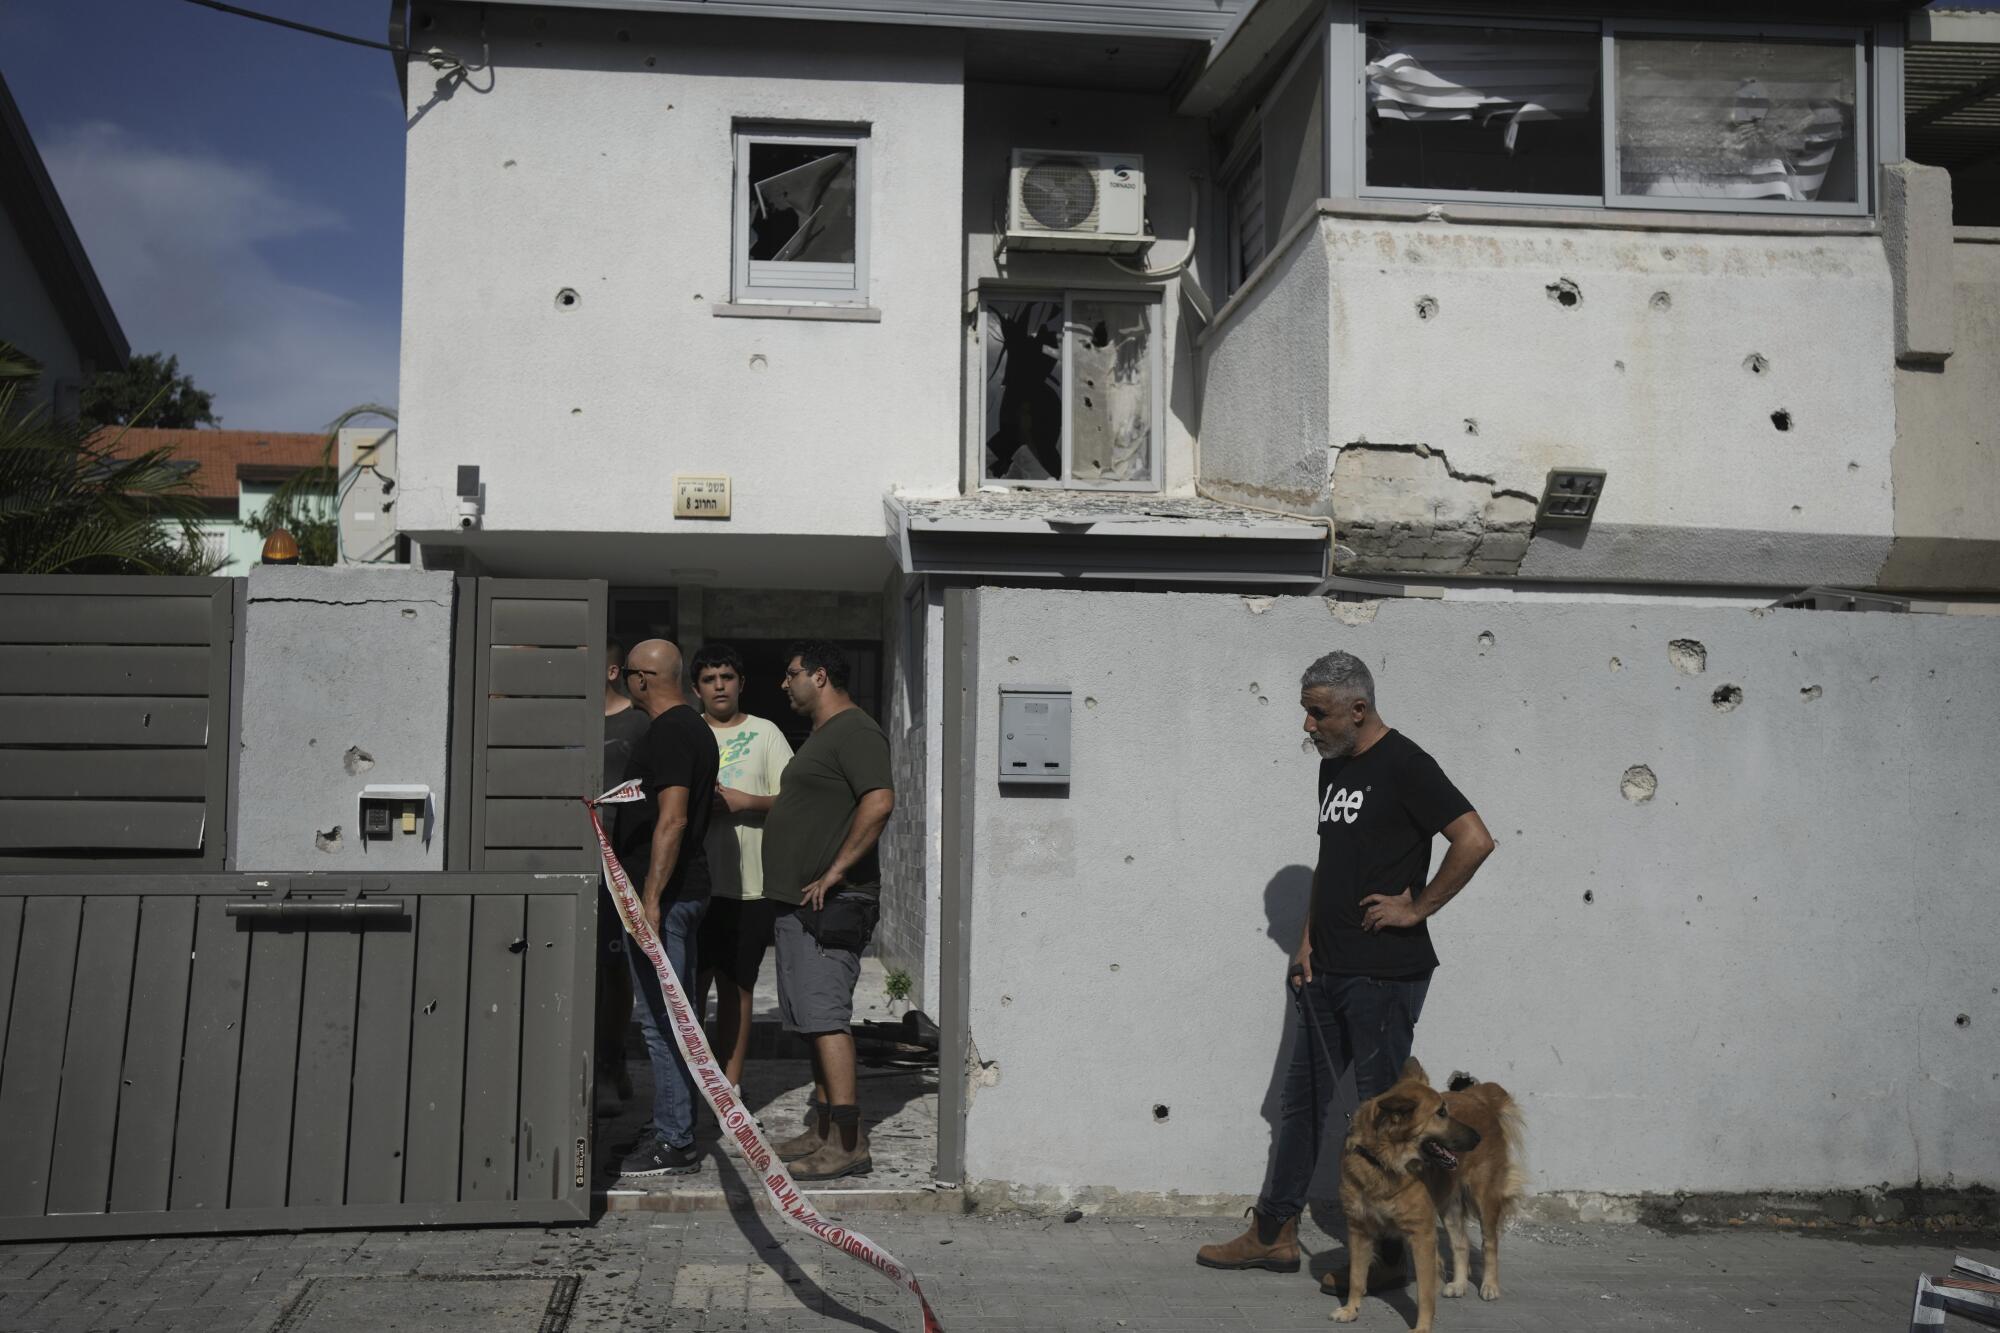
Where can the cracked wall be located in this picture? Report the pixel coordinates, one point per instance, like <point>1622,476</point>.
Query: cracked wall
<point>1402,508</point>
<point>1739,389</point>
<point>346,682</point>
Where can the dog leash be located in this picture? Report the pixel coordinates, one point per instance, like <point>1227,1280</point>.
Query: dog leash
<point>741,1128</point>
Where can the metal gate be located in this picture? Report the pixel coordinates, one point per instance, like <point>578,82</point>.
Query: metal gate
<point>198,1052</point>
<point>115,723</point>
<point>527,724</point>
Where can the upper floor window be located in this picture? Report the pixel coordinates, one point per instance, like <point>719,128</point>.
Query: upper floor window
<point>801,216</point>
<point>1649,115</point>
<point>1072,390</point>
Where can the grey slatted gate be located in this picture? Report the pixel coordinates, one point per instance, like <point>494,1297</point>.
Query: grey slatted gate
<point>174,1063</point>
<point>115,722</point>
<point>527,724</point>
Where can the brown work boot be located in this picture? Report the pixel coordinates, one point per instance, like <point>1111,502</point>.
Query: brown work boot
<point>835,1159</point>
<point>819,1124</point>
<point>1267,1244</point>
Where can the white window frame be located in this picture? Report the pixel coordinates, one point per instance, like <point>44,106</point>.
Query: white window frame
<point>1148,297</point>
<point>762,282</point>
<point>1863,132</point>
<point>1866,136</point>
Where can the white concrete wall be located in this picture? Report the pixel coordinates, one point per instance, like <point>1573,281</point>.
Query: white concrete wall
<point>999,119</point>
<point>602,160</point>
<point>1947,428</point>
<point>1265,401</point>
<point>1646,374</point>
<point>1762,991</point>
<point>346,682</point>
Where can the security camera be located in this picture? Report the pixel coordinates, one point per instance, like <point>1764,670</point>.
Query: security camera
<point>470,492</point>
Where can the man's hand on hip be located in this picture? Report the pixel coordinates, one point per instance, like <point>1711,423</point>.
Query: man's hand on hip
<point>814,894</point>
<point>1382,911</point>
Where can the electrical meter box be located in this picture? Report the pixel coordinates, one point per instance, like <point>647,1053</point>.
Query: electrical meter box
<point>1034,735</point>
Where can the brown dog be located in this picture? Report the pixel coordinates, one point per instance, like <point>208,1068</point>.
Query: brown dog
<point>1416,1156</point>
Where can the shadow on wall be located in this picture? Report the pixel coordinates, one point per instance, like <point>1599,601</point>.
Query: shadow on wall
<point>1286,898</point>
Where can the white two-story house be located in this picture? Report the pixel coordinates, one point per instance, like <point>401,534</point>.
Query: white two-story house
<point>788,319</point>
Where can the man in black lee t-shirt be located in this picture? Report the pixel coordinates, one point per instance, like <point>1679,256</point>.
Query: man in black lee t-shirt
<point>1365,959</point>
<point>659,843</point>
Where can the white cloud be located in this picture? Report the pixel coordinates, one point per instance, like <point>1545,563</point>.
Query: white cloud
<point>175,238</point>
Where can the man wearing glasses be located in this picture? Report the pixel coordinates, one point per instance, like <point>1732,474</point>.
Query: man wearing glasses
<point>820,865</point>
<point>659,843</point>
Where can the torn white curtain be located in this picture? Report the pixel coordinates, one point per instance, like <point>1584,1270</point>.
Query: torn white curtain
<point>1728,138</point>
<point>1514,81</point>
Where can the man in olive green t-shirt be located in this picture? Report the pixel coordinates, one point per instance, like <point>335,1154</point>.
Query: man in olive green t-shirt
<point>820,866</point>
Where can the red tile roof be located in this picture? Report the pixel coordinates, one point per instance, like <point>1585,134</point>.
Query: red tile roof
<point>222,457</point>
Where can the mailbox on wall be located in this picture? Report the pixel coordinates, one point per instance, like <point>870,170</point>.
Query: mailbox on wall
<point>1034,735</point>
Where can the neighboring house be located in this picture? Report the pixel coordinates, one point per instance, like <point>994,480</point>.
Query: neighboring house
<point>234,473</point>
<point>51,306</point>
<point>1548,306</point>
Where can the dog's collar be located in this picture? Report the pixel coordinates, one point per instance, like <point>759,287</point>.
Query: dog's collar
<point>1372,1160</point>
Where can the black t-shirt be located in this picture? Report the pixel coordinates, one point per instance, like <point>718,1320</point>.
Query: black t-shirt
<point>622,732</point>
<point>678,750</point>
<point>1378,812</point>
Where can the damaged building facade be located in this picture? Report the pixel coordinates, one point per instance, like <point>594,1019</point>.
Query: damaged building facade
<point>1134,356</point>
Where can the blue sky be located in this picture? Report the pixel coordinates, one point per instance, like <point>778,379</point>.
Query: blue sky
<point>239,188</point>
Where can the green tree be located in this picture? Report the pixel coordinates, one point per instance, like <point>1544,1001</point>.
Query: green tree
<point>308,503</point>
<point>69,505</point>
<point>150,391</point>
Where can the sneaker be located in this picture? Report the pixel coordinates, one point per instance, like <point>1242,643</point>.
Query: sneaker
<point>655,1158</point>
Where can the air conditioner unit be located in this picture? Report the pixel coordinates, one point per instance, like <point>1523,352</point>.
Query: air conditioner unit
<point>1077,201</point>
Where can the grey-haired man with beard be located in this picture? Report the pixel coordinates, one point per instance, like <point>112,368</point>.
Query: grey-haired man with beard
<point>1364,962</point>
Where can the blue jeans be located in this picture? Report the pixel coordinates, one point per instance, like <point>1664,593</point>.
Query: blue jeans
<point>673,1082</point>
<point>1337,1022</point>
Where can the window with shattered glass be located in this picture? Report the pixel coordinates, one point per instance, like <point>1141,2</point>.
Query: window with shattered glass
<point>1456,107</point>
<point>801,217</point>
<point>1609,111</point>
<point>1765,121</point>
<point>1071,391</point>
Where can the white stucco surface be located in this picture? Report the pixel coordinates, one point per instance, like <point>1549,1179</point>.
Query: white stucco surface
<point>347,678</point>
<point>1506,351</point>
<point>1763,990</point>
<point>1265,403</point>
<point>601,161</point>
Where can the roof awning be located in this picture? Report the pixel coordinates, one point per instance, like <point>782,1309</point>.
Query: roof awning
<point>1951,88</point>
<point>1104,538</point>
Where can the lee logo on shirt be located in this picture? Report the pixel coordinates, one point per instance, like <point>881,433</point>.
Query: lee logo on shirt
<point>1341,806</point>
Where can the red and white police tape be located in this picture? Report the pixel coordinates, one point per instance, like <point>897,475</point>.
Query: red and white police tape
<point>735,1119</point>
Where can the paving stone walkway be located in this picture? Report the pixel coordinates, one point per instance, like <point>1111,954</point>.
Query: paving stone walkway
<point>723,1271</point>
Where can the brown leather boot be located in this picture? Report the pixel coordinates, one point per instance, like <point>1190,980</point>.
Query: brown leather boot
<point>819,1124</point>
<point>1279,1253</point>
<point>845,1153</point>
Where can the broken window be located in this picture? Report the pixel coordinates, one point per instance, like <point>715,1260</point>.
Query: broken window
<point>1701,118</point>
<point>1492,110</point>
<point>1763,119</point>
<point>801,216</point>
<point>1071,391</point>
